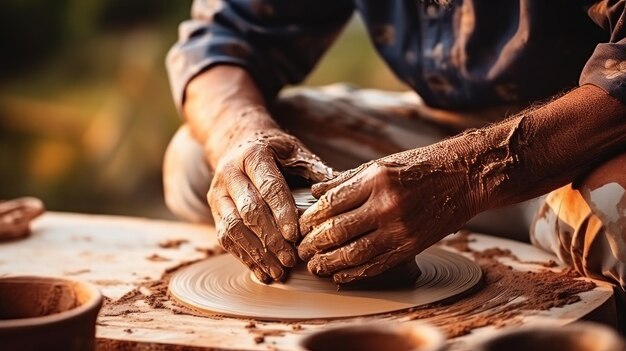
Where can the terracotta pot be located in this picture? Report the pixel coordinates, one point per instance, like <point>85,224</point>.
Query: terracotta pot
<point>44,313</point>
<point>582,336</point>
<point>408,336</point>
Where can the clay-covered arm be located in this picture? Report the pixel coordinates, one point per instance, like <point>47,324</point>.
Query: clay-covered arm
<point>542,149</point>
<point>222,104</point>
<point>254,212</point>
<point>372,218</point>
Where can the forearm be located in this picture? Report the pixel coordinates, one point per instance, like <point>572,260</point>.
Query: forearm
<point>221,104</point>
<point>542,149</point>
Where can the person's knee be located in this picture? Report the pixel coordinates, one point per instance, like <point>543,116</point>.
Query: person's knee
<point>186,178</point>
<point>604,190</point>
<point>584,223</point>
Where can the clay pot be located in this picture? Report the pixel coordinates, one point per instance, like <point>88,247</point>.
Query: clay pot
<point>43,313</point>
<point>409,336</point>
<point>582,336</point>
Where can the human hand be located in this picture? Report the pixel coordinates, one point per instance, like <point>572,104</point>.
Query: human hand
<point>383,213</point>
<point>254,211</point>
<point>16,215</point>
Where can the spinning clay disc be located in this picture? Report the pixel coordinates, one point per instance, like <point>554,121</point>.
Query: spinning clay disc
<point>303,198</point>
<point>223,285</point>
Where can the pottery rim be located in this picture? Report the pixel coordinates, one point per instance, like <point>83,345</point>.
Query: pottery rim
<point>93,303</point>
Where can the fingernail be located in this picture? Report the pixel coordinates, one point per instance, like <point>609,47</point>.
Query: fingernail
<point>276,273</point>
<point>311,267</point>
<point>286,259</point>
<point>303,253</point>
<point>264,278</point>
<point>316,189</point>
<point>314,266</point>
<point>341,278</point>
<point>289,232</point>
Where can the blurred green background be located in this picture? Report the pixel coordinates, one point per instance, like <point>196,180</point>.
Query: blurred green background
<point>85,106</point>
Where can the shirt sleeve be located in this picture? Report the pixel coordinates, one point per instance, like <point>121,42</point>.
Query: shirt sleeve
<point>607,66</point>
<point>277,41</point>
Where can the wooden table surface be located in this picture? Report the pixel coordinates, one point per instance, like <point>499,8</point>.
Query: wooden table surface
<point>120,254</point>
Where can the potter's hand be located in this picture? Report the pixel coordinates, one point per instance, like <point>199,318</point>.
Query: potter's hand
<point>382,213</point>
<point>16,215</point>
<point>254,211</point>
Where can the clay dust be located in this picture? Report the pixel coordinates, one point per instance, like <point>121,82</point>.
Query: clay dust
<point>506,295</point>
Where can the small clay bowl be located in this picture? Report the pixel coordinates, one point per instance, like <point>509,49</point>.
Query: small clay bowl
<point>583,336</point>
<point>45,313</point>
<point>409,336</point>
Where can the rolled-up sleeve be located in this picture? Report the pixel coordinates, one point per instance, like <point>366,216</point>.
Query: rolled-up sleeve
<point>277,41</point>
<point>607,66</point>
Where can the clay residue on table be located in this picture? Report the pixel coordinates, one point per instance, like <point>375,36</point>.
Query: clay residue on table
<point>157,258</point>
<point>460,241</point>
<point>507,294</point>
<point>505,297</point>
<point>172,243</point>
<point>153,292</point>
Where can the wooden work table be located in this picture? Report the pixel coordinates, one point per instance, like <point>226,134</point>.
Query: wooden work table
<point>121,254</point>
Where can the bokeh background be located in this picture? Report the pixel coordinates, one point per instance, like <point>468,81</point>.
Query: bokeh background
<point>85,106</point>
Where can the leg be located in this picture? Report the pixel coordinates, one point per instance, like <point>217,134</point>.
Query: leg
<point>186,178</point>
<point>585,224</point>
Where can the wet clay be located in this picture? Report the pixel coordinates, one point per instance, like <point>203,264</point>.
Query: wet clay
<point>496,302</point>
<point>303,198</point>
<point>221,285</point>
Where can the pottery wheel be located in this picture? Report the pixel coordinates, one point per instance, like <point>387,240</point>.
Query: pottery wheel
<point>223,285</point>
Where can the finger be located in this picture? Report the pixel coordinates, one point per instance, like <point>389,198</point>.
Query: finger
<point>343,198</point>
<point>374,267</point>
<point>336,231</point>
<point>301,162</point>
<point>24,208</point>
<point>230,224</point>
<point>320,189</point>
<point>353,254</point>
<point>270,183</point>
<point>243,256</point>
<point>258,218</point>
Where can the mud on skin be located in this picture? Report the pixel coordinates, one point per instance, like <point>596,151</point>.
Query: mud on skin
<point>256,216</point>
<point>370,218</point>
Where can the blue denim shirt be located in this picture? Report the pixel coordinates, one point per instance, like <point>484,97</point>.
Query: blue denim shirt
<point>455,54</point>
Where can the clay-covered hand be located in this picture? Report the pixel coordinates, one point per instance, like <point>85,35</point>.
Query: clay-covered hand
<point>382,213</point>
<point>16,215</point>
<point>254,211</point>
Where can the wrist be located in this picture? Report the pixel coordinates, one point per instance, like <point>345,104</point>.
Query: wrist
<point>239,127</point>
<point>462,155</point>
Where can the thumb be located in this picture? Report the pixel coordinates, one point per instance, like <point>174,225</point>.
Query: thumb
<point>301,162</point>
<point>320,189</point>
